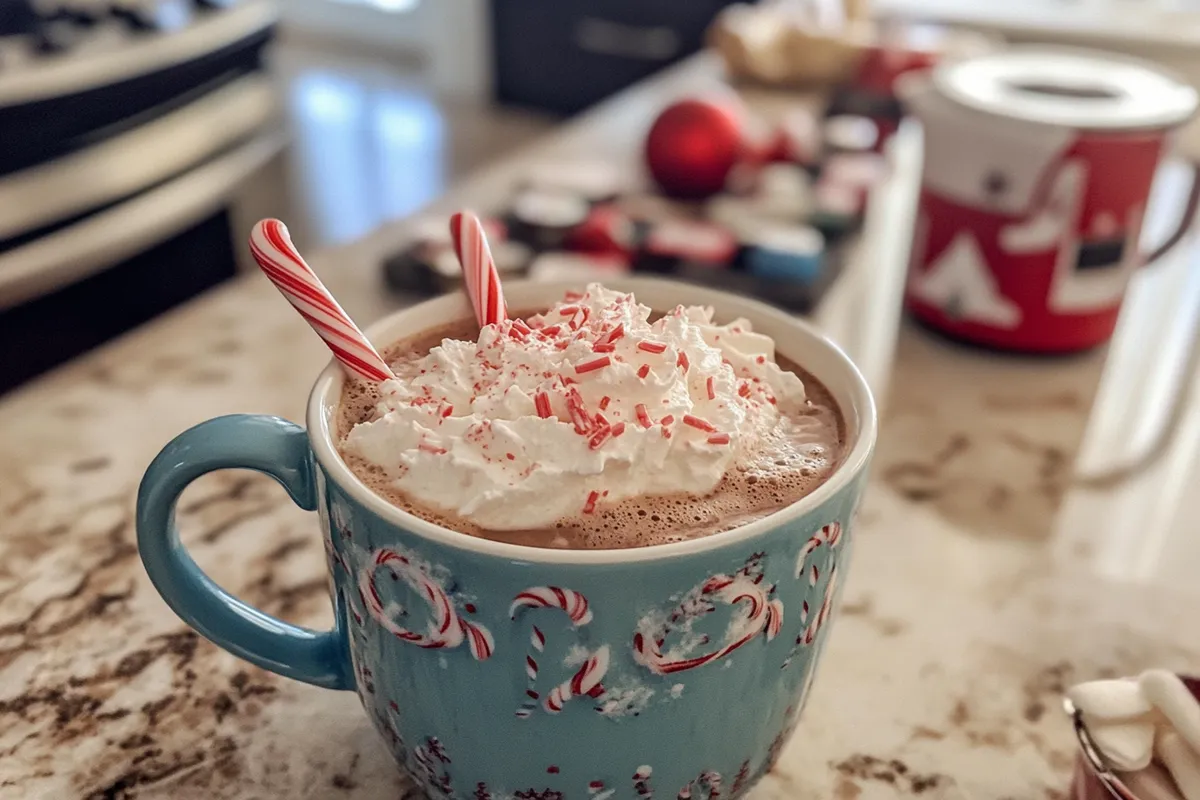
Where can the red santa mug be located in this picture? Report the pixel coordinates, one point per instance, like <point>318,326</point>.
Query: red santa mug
<point>1038,167</point>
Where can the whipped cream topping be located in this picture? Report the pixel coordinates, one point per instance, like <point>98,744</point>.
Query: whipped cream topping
<point>1144,723</point>
<point>585,405</point>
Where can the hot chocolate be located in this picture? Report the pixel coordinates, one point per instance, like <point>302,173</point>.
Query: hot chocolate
<point>593,425</point>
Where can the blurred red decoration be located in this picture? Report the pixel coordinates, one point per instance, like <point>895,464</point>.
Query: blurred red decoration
<point>694,145</point>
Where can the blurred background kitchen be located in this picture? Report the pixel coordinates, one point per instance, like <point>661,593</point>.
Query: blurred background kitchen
<point>141,138</point>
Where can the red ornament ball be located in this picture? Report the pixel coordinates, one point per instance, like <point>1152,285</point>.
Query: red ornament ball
<point>693,146</point>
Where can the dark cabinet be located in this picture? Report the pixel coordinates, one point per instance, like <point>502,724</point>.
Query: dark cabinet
<point>565,55</point>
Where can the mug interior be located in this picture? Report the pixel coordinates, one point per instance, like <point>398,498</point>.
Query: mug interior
<point>794,339</point>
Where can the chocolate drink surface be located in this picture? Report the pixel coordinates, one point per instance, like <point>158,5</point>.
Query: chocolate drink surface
<point>640,430</point>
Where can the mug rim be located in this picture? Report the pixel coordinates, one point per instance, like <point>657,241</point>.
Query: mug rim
<point>326,393</point>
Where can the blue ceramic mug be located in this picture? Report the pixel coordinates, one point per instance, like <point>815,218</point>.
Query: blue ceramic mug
<point>495,670</point>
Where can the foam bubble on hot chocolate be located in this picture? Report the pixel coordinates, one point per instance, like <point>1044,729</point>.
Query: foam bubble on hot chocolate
<point>556,422</point>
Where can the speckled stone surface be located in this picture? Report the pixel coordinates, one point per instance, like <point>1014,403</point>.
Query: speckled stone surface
<point>987,576</point>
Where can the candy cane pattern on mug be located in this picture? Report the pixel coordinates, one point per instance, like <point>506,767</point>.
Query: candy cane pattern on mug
<point>587,679</point>
<point>829,537</point>
<point>707,785</point>
<point>447,628</point>
<point>763,615</point>
<point>641,782</point>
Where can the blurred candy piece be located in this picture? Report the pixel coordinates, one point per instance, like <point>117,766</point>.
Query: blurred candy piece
<point>802,137</point>
<point>542,218</point>
<point>578,267</point>
<point>838,209</point>
<point>847,133</point>
<point>672,243</point>
<point>786,253</point>
<point>785,191</point>
<point>606,231</point>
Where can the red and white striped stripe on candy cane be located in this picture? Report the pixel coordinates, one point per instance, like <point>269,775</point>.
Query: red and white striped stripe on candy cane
<point>587,679</point>
<point>480,275</point>
<point>572,602</point>
<point>446,630</point>
<point>764,615</point>
<point>277,256</point>
<point>830,538</point>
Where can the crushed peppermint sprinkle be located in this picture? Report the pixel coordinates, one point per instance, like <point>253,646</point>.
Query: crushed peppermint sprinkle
<point>668,419</point>
<point>562,344</point>
<point>652,347</point>
<point>541,401</point>
<point>760,360</point>
<point>605,347</point>
<point>551,330</point>
<point>604,401</point>
<point>643,371</point>
<point>699,424</point>
<point>618,429</point>
<point>568,311</point>
<point>615,333</point>
<point>682,361</point>
<point>600,437</point>
<point>510,456</point>
<point>719,438</point>
<point>712,391</point>
<point>643,415</point>
<point>593,365</point>
<point>600,419</point>
<point>447,411</point>
<point>578,412</point>
<point>744,389</point>
<point>431,448</point>
<point>576,322</point>
<point>572,296</point>
<point>590,506</point>
<point>666,432</point>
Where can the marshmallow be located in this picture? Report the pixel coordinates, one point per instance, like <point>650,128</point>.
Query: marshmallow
<point>1151,783</point>
<point>1182,761</point>
<point>1110,700</point>
<point>1170,696</point>
<point>1135,723</point>
<point>1125,745</point>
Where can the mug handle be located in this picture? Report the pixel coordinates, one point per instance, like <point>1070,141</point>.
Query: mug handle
<point>274,447</point>
<point>1186,220</point>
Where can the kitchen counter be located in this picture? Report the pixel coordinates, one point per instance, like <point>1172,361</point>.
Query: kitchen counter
<point>1018,536</point>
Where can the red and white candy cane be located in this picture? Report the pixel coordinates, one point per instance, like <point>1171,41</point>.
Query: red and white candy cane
<point>587,679</point>
<point>277,256</point>
<point>764,615</point>
<point>480,275</point>
<point>446,630</point>
<point>830,538</point>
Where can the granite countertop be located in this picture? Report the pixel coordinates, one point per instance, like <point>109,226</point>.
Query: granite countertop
<point>1015,540</point>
